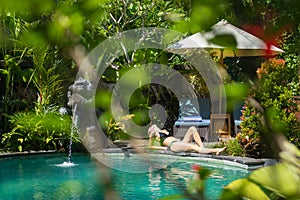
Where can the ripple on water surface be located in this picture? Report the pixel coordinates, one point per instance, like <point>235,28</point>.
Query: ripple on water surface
<point>52,177</point>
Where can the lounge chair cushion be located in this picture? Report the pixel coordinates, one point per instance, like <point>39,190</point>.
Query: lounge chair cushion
<point>194,112</point>
<point>203,123</point>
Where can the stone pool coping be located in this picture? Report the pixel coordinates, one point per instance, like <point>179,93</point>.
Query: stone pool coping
<point>26,153</point>
<point>235,161</point>
<point>238,161</point>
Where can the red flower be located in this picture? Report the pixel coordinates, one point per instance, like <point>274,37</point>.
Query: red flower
<point>196,168</point>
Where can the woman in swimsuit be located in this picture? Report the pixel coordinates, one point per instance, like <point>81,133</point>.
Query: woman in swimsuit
<point>160,139</point>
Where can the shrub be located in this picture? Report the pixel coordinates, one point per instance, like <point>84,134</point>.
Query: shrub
<point>38,131</point>
<point>116,129</point>
<point>234,148</point>
<point>278,83</point>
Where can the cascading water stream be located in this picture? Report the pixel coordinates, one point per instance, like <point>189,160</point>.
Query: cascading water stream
<point>76,94</point>
<point>70,147</point>
<point>73,128</point>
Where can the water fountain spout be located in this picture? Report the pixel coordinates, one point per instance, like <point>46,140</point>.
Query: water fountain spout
<point>73,129</point>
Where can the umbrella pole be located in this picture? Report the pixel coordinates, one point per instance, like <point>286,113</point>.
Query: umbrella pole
<point>222,66</point>
<point>222,58</point>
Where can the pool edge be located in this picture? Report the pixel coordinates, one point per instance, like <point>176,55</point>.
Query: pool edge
<point>236,161</point>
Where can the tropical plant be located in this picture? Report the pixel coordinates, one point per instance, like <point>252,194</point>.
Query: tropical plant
<point>10,71</point>
<point>273,182</point>
<point>278,83</point>
<point>46,81</point>
<point>280,181</point>
<point>125,15</point>
<point>234,148</point>
<point>47,130</point>
<point>199,85</point>
<point>43,128</point>
<point>116,129</point>
<point>12,57</point>
<point>195,188</point>
<point>16,96</point>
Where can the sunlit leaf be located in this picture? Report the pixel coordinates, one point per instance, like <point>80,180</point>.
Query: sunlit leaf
<point>20,148</point>
<point>48,140</point>
<point>3,71</point>
<point>20,140</point>
<point>32,7</point>
<point>89,5</point>
<point>210,11</point>
<point>33,38</point>
<point>204,173</point>
<point>243,188</point>
<point>195,186</point>
<point>235,93</point>
<point>281,179</point>
<point>103,99</point>
<point>291,154</point>
<point>172,197</point>
<point>225,40</point>
<point>77,22</point>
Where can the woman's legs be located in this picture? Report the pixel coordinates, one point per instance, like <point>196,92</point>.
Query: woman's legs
<point>217,151</point>
<point>192,134</point>
<point>185,145</point>
<point>181,146</point>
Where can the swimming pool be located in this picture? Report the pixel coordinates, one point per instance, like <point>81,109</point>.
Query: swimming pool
<point>40,177</point>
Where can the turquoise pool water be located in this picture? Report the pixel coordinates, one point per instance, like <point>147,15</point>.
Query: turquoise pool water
<point>39,177</point>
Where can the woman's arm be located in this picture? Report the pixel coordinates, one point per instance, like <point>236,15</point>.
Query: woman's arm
<point>152,146</point>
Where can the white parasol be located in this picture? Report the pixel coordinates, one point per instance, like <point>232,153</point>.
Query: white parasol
<point>245,44</point>
<point>225,40</point>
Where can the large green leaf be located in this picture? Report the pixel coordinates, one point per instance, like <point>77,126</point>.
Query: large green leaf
<point>4,72</point>
<point>226,40</point>
<point>281,179</point>
<point>243,188</point>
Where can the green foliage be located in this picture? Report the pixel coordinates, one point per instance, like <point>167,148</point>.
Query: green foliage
<point>242,188</point>
<point>251,128</point>
<point>125,15</point>
<point>234,148</point>
<point>195,22</point>
<point>278,83</point>
<point>233,97</point>
<point>26,65</point>
<point>68,23</point>
<point>196,186</point>
<point>280,181</point>
<point>38,131</point>
<point>116,130</point>
<point>271,18</point>
<point>13,91</point>
<point>29,9</point>
<point>49,87</point>
<point>44,77</point>
<point>199,85</point>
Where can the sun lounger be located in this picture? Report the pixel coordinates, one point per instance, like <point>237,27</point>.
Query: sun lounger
<point>193,112</point>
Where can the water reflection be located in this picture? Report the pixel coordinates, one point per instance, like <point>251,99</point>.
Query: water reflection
<point>39,177</point>
<point>172,180</point>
